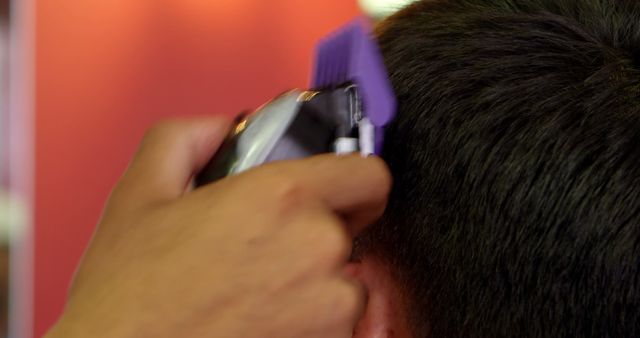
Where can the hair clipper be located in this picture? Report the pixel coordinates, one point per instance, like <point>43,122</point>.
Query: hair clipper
<point>345,112</point>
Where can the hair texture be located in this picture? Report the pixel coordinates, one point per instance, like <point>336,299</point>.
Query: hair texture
<point>515,154</point>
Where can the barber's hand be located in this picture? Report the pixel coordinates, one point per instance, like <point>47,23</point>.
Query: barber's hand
<point>260,254</point>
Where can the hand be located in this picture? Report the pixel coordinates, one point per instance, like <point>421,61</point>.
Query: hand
<point>260,254</point>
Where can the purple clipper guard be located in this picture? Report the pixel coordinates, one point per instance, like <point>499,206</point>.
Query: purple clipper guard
<point>351,55</point>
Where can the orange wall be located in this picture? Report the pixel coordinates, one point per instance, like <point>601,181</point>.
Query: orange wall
<point>107,69</point>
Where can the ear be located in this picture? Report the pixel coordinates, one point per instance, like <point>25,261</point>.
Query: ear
<point>385,315</point>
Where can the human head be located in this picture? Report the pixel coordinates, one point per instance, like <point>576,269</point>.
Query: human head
<point>515,210</point>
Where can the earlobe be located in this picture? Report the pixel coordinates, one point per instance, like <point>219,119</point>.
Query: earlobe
<point>385,315</point>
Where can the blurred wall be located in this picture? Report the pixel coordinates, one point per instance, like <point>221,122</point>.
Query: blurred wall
<point>107,69</point>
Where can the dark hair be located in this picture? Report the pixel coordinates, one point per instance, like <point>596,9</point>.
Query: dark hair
<point>516,164</point>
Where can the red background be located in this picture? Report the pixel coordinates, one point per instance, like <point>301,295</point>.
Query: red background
<point>107,69</point>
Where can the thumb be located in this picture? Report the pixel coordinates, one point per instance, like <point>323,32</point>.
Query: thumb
<point>170,154</point>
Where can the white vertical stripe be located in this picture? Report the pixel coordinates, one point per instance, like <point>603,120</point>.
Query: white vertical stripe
<point>21,164</point>
<point>367,137</point>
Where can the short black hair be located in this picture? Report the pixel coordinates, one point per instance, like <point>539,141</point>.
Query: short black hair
<point>515,154</point>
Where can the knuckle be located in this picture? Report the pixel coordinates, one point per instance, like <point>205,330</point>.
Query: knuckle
<point>288,197</point>
<point>287,189</point>
<point>275,191</point>
<point>285,194</point>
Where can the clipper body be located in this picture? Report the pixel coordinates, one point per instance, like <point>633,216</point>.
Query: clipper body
<point>294,125</point>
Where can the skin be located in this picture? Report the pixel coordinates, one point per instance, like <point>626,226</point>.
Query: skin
<point>386,313</point>
<point>261,254</point>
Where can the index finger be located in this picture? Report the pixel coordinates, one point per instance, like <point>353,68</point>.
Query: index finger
<point>356,188</point>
